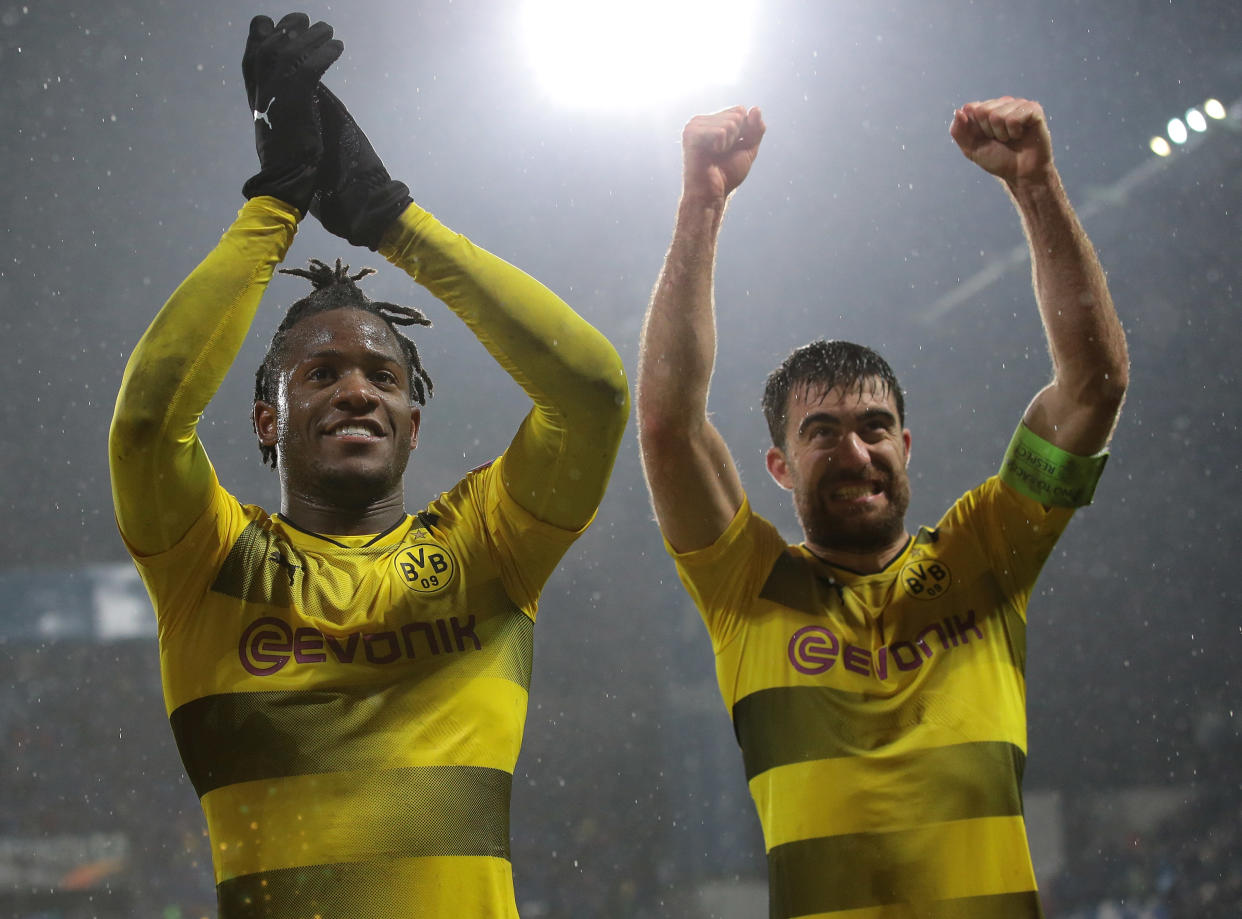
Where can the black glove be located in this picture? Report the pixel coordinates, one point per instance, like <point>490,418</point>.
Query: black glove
<point>282,66</point>
<point>357,198</point>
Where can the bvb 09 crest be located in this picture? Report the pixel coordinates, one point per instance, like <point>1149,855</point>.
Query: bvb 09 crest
<point>425,567</point>
<point>926,579</point>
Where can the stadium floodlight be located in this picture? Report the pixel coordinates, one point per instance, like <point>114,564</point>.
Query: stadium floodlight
<point>1215,109</point>
<point>636,54</point>
<point>1177,131</point>
<point>1195,120</point>
<point>1160,146</point>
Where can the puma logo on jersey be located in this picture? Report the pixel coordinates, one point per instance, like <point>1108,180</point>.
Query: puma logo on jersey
<point>286,564</point>
<point>262,116</point>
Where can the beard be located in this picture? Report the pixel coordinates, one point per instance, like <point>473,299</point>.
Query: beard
<point>853,529</point>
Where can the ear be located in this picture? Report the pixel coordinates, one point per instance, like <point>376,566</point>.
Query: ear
<point>778,468</point>
<point>905,436</point>
<point>416,418</point>
<point>264,417</point>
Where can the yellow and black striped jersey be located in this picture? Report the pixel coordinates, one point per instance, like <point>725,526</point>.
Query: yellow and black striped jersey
<point>350,709</point>
<point>882,717</point>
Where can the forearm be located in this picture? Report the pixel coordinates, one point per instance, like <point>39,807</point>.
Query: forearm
<point>559,463</point>
<point>694,484</point>
<point>678,346</point>
<point>1084,334</point>
<point>160,473</point>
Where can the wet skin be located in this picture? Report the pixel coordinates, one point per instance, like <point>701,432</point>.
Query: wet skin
<point>343,425</point>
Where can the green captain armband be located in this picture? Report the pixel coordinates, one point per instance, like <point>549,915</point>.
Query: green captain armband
<point>1048,474</point>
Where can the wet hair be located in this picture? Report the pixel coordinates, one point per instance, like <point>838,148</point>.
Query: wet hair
<point>335,289</point>
<point>826,365</point>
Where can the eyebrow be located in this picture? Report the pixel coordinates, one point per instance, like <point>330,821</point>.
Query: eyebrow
<point>336,352</point>
<point>884,414</point>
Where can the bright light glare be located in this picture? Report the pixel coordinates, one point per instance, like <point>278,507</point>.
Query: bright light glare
<point>1177,131</point>
<point>1160,146</point>
<point>1214,109</point>
<point>1195,120</point>
<point>636,54</point>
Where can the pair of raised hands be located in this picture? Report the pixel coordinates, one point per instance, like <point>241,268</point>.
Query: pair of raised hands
<point>1006,137</point>
<point>312,154</point>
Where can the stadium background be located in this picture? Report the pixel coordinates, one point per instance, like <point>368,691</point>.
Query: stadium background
<point>127,141</point>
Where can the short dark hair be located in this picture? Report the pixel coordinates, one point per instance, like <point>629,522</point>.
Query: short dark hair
<point>336,288</point>
<point>830,365</point>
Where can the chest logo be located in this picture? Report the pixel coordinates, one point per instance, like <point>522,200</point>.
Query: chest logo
<point>425,567</point>
<point>926,579</point>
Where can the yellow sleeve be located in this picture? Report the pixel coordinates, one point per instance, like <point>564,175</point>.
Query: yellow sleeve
<point>724,578</point>
<point>558,464</point>
<point>1016,533</point>
<point>162,480</point>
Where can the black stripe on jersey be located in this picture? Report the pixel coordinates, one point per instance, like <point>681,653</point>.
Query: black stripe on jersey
<point>436,811</point>
<point>795,584</point>
<point>797,724</point>
<point>822,876</point>
<point>241,737</point>
<point>244,736</point>
<point>251,573</point>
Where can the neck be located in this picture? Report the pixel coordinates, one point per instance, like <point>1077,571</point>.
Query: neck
<point>314,514</point>
<point>862,561</point>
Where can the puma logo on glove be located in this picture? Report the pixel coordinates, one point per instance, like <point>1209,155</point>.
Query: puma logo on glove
<point>262,116</point>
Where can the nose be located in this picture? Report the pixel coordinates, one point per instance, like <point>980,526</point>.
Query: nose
<point>354,391</point>
<point>852,452</point>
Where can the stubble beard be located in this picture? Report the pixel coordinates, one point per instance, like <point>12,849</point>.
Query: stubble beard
<point>347,487</point>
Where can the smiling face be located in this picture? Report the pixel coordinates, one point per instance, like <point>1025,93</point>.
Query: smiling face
<point>343,424</point>
<point>845,459</point>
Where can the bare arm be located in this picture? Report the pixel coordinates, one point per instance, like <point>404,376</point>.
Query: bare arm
<point>693,480</point>
<point>1078,410</point>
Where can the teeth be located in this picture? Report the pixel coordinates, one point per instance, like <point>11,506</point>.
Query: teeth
<point>352,430</point>
<point>852,491</point>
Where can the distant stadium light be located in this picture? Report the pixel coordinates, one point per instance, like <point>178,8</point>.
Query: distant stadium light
<point>635,54</point>
<point>1160,146</point>
<point>1177,131</point>
<point>1195,120</point>
<point>1215,109</point>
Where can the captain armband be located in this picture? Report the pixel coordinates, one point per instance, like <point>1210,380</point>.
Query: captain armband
<point>1048,474</point>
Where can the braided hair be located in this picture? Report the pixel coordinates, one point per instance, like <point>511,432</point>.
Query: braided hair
<point>335,288</point>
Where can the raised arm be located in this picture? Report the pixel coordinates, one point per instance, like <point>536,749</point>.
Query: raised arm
<point>1078,410</point>
<point>558,464</point>
<point>161,478</point>
<point>693,480</point>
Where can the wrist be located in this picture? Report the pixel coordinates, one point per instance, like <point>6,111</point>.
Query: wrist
<point>701,208</point>
<point>1036,185</point>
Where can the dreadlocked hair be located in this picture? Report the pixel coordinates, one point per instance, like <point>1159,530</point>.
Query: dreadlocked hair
<point>827,365</point>
<point>335,288</point>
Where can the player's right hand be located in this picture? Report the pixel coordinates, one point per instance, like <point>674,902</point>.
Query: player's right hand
<point>718,151</point>
<point>281,67</point>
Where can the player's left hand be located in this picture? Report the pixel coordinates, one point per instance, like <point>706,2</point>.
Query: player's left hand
<point>1007,137</point>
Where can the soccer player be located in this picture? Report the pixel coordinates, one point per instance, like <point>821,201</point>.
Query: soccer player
<point>874,676</point>
<point>347,681</point>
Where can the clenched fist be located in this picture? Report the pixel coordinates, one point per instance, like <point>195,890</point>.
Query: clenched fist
<point>1008,137</point>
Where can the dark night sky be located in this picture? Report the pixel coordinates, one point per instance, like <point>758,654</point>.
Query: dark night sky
<point>128,138</point>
